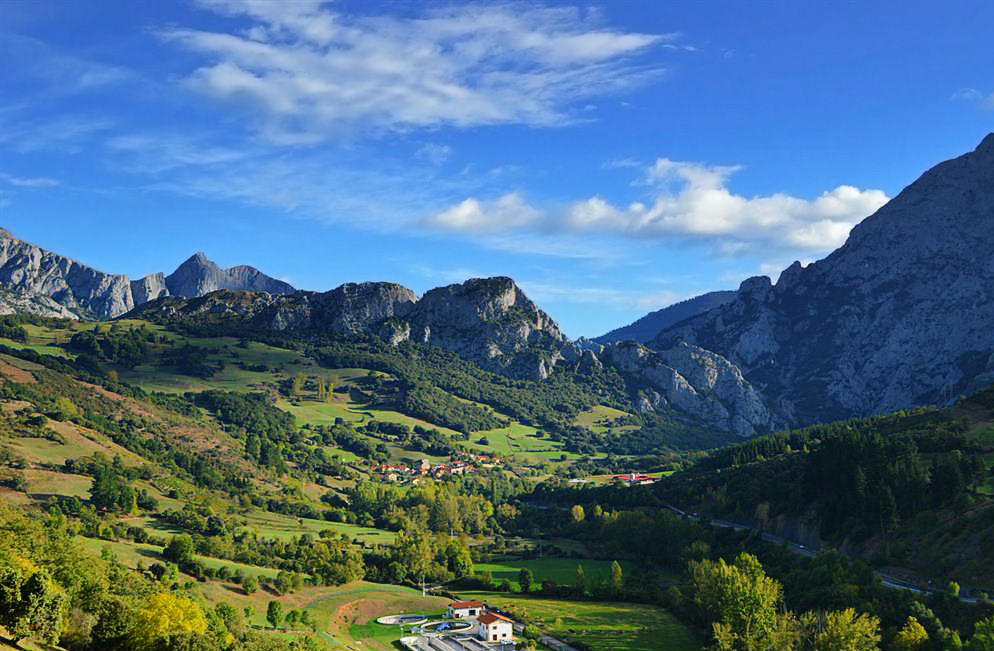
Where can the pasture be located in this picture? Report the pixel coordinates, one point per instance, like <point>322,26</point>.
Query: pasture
<point>600,626</point>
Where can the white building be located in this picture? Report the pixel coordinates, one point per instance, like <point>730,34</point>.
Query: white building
<point>465,608</point>
<point>495,628</point>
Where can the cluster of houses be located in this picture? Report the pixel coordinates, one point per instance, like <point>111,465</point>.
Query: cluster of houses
<point>490,627</point>
<point>634,479</point>
<point>423,469</point>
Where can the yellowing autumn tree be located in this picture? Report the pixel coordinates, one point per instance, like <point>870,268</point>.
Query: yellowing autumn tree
<point>166,614</point>
<point>912,637</point>
<point>847,631</point>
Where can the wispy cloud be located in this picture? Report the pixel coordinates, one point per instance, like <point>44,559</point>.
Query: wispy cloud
<point>306,71</point>
<point>58,72</point>
<point>434,153</point>
<point>686,200</point>
<point>983,99</point>
<point>29,183</point>
<point>65,134</point>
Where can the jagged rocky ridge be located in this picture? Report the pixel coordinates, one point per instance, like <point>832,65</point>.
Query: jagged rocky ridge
<point>899,316</point>
<point>492,323</point>
<point>45,283</point>
<point>488,321</point>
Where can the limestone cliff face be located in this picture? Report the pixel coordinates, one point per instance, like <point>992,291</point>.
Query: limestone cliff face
<point>149,288</point>
<point>898,316</point>
<point>199,276</point>
<point>491,322</point>
<point>696,383</point>
<point>30,272</point>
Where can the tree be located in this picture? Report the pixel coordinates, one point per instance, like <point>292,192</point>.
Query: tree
<point>983,636</point>
<point>110,489</point>
<point>180,549</point>
<point>291,618</point>
<point>233,618</point>
<point>953,590</point>
<point>617,577</point>
<point>580,585</point>
<point>742,603</point>
<point>250,584</point>
<point>525,579</point>
<point>31,603</point>
<point>163,615</point>
<point>274,614</point>
<point>458,558</point>
<point>912,637</point>
<point>577,513</point>
<point>415,550</point>
<point>847,631</point>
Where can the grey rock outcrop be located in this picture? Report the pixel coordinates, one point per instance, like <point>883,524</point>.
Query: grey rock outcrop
<point>29,271</point>
<point>34,304</point>
<point>349,309</point>
<point>488,321</point>
<point>898,316</point>
<point>651,324</point>
<point>697,383</point>
<point>149,288</point>
<point>199,276</point>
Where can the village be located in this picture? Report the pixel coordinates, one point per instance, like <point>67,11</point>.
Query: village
<point>421,470</point>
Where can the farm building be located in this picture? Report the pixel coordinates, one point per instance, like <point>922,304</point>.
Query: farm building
<point>495,628</point>
<point>465,608</point>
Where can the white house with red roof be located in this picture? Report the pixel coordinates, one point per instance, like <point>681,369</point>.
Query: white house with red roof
<point>492,627</point>
<point>465,608</point>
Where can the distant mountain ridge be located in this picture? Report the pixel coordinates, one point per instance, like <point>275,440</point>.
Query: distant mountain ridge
<point>646,328</point>
<point>45,283</point>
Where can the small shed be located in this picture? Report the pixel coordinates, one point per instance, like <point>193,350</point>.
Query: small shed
<point>465,608</point>
<point>495,628</point>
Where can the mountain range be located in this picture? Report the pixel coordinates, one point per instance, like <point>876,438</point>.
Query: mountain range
<point>897,317</point>
<point>45,283</point>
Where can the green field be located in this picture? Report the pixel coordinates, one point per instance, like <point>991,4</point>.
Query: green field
<point>560,570</point>
<point>599,417</point>
<point>603,626</point>
<point>284,527</point>
<point>132,553</point>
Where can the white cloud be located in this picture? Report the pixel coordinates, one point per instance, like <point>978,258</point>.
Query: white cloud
<point>31,183</point>
<point>691,201</point>
<point>433,153</point>
<point>508,212</point>
<point>307,72</point>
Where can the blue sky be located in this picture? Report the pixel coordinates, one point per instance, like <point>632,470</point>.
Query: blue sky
<point>612,158</point>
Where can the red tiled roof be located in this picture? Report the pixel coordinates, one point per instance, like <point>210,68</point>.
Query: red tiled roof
<point>490,618</point>
<point>466,604</point>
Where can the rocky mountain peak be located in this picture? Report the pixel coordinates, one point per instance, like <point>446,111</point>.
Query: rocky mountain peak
<point>897,317</point>
<point>198,276</point>
<point>45,283</point>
